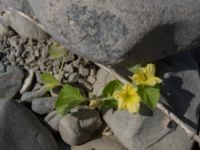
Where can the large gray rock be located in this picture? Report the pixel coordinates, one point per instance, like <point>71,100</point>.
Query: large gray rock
<point>103,143</point>
<point>10,82</point>
<point>112,31</point>
<point>21,130</point>
<point>79,127</point>
<point>180,93</point>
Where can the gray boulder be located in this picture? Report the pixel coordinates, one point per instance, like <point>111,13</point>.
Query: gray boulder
<point>180,93</point>
<point>79,127</point>
<point>21,130</point>
<point>10,82</point>
<point>119,31</point>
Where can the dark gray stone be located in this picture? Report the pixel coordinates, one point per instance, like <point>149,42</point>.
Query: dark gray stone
<point>103,143</point>
<point>21,130</point>
<point>10,82</point>
<point>180,93</point>
<point>79,127</point>
<point>114,31</point>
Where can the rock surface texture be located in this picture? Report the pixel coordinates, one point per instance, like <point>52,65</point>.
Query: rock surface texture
<point>113,31</point>
<point>79,127</point>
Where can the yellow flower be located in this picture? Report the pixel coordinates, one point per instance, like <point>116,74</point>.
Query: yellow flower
<point>94,104</point>
<point>146,76</point>
<point>127,98</point>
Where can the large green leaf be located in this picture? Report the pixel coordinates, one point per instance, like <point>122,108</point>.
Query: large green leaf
<point>49,81</point>
<point>56,50</point>
<point>111,87</point>
<point>149,95</point>
<point>68,98</point>
<point>134,69</point>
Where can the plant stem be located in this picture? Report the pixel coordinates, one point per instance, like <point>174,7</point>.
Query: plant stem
<point>63,61</point>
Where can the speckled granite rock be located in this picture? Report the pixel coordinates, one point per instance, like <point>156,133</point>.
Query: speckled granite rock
<point>113,31</point>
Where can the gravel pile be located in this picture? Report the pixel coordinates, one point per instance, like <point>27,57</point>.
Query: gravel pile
<point>34,55</point>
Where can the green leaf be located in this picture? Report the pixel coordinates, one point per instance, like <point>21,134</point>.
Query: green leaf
<point>112,103</point>
<point>149,95</point>
<point>49,81</point>
<point>111,87</point>
<point>133,69</point>
<point>68,98</point>
<point>56,50</point>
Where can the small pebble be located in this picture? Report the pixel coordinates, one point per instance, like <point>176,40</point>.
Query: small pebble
<point>91,79</point>
<point>83,71</point>
<point>68,68</point>
<point>85,84</point>
<point>53,119</point>
<point>29,96</point>
<point>73,77</point>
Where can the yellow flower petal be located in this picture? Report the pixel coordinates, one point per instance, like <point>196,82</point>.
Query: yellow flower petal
<point>127,98</point>
<point>146,76</point>
<point>150,69</point>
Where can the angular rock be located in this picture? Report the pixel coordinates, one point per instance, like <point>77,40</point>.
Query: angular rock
<point>73,77</point>
<point>91,79</point>
<point>21,130</point>
<point>43,105</point>
<point>10,82</point>
<point>83,71</point>
<point>53,120</point>
<point>27,83</point>
<point>79,127</point>
<point>114,31</point>
<point>86,84</point>
<point>23,26</point>
<point>103,143</point>
<point>180,92</point>
<point>68,68</point>
<point>103,77</point>
<point>29,96</point>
